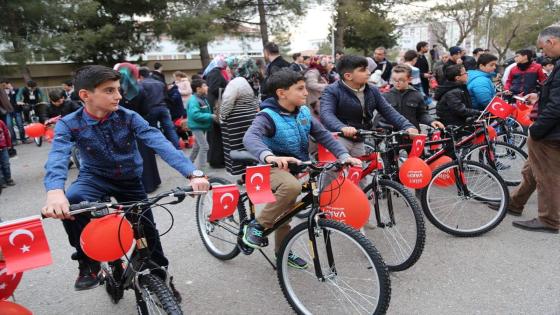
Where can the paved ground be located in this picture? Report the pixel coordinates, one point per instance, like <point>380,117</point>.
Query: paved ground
<point>507,271</point>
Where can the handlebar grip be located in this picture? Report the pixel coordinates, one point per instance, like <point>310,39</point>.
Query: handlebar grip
<point>81,205</point>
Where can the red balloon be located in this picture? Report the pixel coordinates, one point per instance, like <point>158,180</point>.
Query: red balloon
<point>49,134</point>
<point>191,141</point>
<point>9,282</point>
<point>446,178</point>
<point>35,130</point>
<point>10,308</point>
<point>102,241</point>
<point>415,173</point>
<point>523,117</point>
<point>345,202</point>
<point>181,143</point>
<point>492,134</point>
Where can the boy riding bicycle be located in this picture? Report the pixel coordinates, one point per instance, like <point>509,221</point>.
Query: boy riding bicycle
<point>279,134</point>
<point>111,164</point>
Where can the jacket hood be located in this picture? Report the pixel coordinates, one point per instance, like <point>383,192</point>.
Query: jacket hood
<point>446,87</point>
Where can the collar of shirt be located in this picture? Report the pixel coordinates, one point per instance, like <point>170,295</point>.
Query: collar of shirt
<point>92,120</point>
<point>353,89</point>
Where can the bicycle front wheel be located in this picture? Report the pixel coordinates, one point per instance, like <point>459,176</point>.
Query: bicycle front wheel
<point>398,232</point>
<point>516,138</point>
<point>155,297</point>
<point>355,278</point>
<point>38,141</point>
<point>458,204</point>
<point>219,237</point>
<point>508,159</point>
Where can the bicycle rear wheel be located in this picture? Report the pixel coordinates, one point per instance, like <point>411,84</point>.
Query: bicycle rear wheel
<point>219,237</point>
<point>400,234</point>
<point>38,141</point>
<point>508,158</point>
<point>465,213</point>
<point>516,138</point>
<point>155,297</point>
<point>355,278</point>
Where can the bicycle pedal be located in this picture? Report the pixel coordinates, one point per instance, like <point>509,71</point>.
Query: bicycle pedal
<point>244,248</point>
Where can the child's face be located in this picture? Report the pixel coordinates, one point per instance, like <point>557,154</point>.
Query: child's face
<point>358,76</point>
<point>401,80</point>
<point>489,67</point>
<point>296,95</point>
<point>548,68</point>
<point>105,97</point>
<point>203,90</point>
<point>463,77</point>
<point>520,58</point>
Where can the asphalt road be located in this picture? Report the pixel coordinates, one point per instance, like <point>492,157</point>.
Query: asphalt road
<point>507,271</point>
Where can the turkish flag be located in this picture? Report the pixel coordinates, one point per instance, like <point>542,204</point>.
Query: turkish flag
<point>354,174</point>
<point>435,137</point>
<point>324,155</point>
<point>224,201</point>
<point>500,108</point>
<point>8,283</point>
<point>417,146</point>
<point>257,183</point>
<point>24,244</point>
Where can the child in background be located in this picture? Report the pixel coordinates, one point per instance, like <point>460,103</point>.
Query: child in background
<point>5,144</point>
<point>200,117</point>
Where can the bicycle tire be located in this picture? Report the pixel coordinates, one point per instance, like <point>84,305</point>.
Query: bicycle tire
<point>151,287</point>
<point>373,260</point>
<point>508,148</point>
<point>518,139</point>
<point>38,141</point>
<point>205,227</point>
<point>496,215</point>
<point>410,257</point>
<point>76,157</point>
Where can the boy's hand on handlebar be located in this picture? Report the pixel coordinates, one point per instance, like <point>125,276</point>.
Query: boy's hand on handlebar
<point>532,98</point>
<point>57,205</point>
<point>352,161</point>
<point>436,124</point>
<point>349,131</point>
<point>200,184</point>
<point>282,161</point>
<point>412,131</point>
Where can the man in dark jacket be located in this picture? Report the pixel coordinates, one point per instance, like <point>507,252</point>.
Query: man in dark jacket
<point>424,66</point>
<point>348,105</point>
<point>275,63</point>
<point>158,73</point>
<point>59,105</point>
<point>406,100</point>
<point>544,143</point>
<point>454,102</point>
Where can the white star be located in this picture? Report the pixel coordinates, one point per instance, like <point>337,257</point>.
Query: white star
<point>258,187</point>
<point>2,286</point>
<point>25,248</point>
<point>225,207</point>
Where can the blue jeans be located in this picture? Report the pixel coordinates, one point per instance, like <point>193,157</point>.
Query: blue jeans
<point>161,114</point>
<point>18,117</point>
<point>90,187</point>
<point>5,173</point>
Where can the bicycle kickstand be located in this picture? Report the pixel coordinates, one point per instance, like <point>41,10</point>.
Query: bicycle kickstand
<point>268,259</point>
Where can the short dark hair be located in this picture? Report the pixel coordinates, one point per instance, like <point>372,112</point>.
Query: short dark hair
<point>90,77</point>
<point>4,81</point>
<point>453,71</point>
<point>477,50</point>
<point>402,69</point>
<point>485,59</point>
<point>144,72</point>
<point>272,48</point>
<point>339,51</point>
<point>31,84</point>
<point>546,61</point>
<point>348,63</point>
<point>296,56</point>
<point>56,95</point>
<point>68,82</point>
<point>409,55</point>
<point>306,57</point>
<point>196,77</point>
<point>282,79</point>
<point>420,45</point>
<point>197,83</point>
<point>157,65</point>
<point>525,52</point>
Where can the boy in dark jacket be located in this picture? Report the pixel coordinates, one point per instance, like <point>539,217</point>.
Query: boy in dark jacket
<point>526,76</point>
<point>59,105</point>
<point>454,102</point>
<point>348,105</point>
<point>5,144</point>
<point>407,100</point>
<point>280,134</point>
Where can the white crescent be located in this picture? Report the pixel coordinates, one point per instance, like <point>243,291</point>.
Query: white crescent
<point>355,174</point>
<point>419,142</point>
<point>256,175</point>
<point>494,108</point>
<point>3,271</point>
<point>19,232</point>
<point>226,195</point>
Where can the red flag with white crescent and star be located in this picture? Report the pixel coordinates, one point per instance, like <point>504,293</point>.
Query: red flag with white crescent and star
<point>355,174</point>
<point>500,108</point>
<point>24,244</point>
<point>257,183</point>
<point>418,143</point>
<point>224,201</point>
<point>8,283</point>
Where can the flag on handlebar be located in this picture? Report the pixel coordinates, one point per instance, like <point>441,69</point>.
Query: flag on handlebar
<point>8,283</point>
<point>257,183</point>
<point>435,137</point>
<point>323,154</point>
<point>24,244</point>
<point>224,201</point>
<point>418,143</point>
<point>355,174</point>
<point>499,107</point>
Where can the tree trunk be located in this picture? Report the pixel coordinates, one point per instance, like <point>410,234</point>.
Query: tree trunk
<point>262,21</point>
<point>204,55</point>
<point>25,73</point>
<point>341,23</point>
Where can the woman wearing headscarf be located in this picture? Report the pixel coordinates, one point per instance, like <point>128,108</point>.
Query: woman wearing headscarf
<point>216,78</point>
<point>240,103</point>
<point>132,99</point>
<point>316,81</point>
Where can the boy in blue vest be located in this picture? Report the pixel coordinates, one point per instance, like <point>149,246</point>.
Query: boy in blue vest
<point>280,134</point>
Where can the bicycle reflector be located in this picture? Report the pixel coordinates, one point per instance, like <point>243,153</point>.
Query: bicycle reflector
<point>107,238</point>
<point>35,130</point>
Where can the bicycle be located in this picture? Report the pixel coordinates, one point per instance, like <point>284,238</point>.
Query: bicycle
<point>335,285</point>
<point>134,272</point>
<point>34,116</point>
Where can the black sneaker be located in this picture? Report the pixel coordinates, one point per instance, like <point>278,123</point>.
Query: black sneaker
<point>296,262</point>
<point>253,235</point>
<point>88,278</point>
<point>10,182</point>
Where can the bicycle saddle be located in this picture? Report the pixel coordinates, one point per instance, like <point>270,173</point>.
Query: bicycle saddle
<point>243,157</point>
